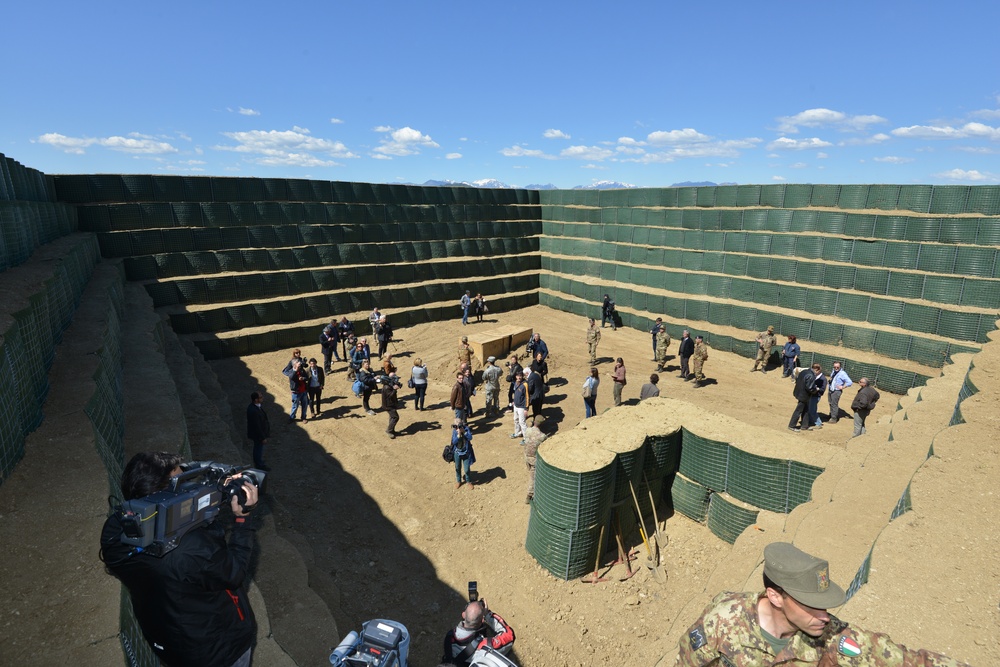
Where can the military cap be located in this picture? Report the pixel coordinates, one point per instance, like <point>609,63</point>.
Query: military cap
<point>770,329</point>
<point>492,360</point>
<point>805,578</point>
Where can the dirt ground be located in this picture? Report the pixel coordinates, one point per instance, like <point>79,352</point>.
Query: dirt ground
<point>383,519</point>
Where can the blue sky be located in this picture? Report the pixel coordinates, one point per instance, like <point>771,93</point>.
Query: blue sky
<point>646,93</point>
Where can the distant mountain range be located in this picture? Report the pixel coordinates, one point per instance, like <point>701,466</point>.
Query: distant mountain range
<point>599,185</point>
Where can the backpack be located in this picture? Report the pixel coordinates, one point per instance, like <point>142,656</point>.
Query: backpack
<point>357,387</point>
<point>449,453</point>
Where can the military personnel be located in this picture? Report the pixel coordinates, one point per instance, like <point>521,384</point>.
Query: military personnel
<point>593,338</point>
<point>465,352</point>
<point>662,343</point>
<point>533,437</point>
<point>788,624</point>
<point>765,341</point>
<point>491,382</point>
<point>698,359</point>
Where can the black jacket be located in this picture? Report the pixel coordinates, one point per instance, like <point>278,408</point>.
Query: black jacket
<point>534,382</point>
<point>686,348</point>
<point>258,425</point>
<point>192,603</point>
<point>802,383</point>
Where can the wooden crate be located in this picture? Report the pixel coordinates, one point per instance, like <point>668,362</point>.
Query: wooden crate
<point>498,342</point>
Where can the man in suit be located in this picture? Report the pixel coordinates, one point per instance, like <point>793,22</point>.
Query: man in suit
<point>258,429</point>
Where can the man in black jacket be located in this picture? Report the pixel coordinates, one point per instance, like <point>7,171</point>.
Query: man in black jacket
<point>536,391</point>
<point>802,392</point>
<point>513,368</point>
<point>863,404</point>
<point>192,602</point>
<point>684,352</point>
<point>258,429</point>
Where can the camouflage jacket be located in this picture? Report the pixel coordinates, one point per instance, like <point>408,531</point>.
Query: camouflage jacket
<point>533,437</point>
<point>464,354</point>
<point>491,377</point>
<point>662,341</point>
<point>728,634</point>
<point>766,341</point>
<point>700,351</point>
<point>593,334</point>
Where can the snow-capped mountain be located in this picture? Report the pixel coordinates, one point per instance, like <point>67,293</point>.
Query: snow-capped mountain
<point>606,185</point>
<point>481,183</point>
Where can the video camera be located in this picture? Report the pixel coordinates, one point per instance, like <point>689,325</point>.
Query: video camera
<point>156,523</point>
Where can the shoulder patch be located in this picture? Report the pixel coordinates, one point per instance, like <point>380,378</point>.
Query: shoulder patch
<point>697,637</point>
<point>849,647</point>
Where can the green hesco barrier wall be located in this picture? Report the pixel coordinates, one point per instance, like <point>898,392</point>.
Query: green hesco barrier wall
<point>570,507</point>
<point>268,258</point>
<point>305,334</point>
<point>272,284</point>
<point>28,346</point>
<point>85,189</point>
<point>29,214</point>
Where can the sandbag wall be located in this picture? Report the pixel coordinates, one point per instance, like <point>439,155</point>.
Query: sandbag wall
<point>29,220</point>
<point>582,497</point>
<point>913,287</point>
<point>251,265</point>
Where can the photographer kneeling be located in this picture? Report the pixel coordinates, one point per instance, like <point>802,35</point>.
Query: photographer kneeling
<point>479,627</point>
<point>189,593</point>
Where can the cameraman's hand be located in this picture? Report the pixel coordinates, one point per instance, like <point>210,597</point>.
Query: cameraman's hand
<point>251,492</point>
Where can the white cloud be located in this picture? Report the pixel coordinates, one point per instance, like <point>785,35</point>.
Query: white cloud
<point>778,178</point>
<point>799,165</point>
<point>685,136</point>
<point>786,144</point>
<point>452,156</point>
<point>599,167</point>
<point>629,141</point>
<point>336,121</point>
<point>967,131</point>
<point>595,153</point>
<point>629,150</point>
<point>826,118</point>
<point>821,156</point>
<point>402,142</point>
<point>248,112</point>
<point>963,175</point>
<point>134,144</point>
<point>893,159</point>
<point>555,134</point>
<point>520,151</point>
<point>879,138</point>
<point>293,147</point>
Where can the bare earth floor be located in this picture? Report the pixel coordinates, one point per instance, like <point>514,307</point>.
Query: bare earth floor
<point>382,517</point>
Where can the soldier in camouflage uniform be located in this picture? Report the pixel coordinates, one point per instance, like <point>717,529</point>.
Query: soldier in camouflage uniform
<point>533,437</point>
<point>491,381</point>
<point>788,624</point>
<point>765,341</point>
<point>593,338</point>
<point>465,353</point>
<point>662,343</point>
<point>698,359</point>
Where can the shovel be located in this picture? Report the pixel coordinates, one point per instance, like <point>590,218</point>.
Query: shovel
<point>624,556</point>
<point>652,562</point>
<point>661,538</point>
<point>595,578</point>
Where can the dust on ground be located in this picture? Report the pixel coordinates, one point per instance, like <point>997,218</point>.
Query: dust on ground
<point>382,518</point>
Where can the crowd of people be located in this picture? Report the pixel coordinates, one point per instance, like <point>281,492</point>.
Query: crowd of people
<point>787,622</point>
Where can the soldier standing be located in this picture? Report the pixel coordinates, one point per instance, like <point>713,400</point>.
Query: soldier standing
<point>593,338</point>
<point>765,341</point>
<point>533,437</point>
<point>788,623</point>
<point>699,358</point>
<point>491,382</point>
<point>465,353</point>
<point>662,343</point>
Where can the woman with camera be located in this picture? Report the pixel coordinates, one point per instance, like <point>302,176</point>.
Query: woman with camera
<point>367,379</point>
<point>461,442</point>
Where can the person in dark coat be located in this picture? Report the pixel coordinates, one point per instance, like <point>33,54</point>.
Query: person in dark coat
<point>191,602</point>
<point>258,429</point>
<point>536,392</point>
<point>864,402</point>
<point>390,402</point>
<point>801,392</point>
<point>684,352</point>
<point>383,332</point>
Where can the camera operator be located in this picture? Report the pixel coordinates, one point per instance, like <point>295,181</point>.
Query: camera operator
<point>191,603</point>
<point>479,627</point>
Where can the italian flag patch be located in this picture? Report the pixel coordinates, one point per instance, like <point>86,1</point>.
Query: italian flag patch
<point>849,647</point>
